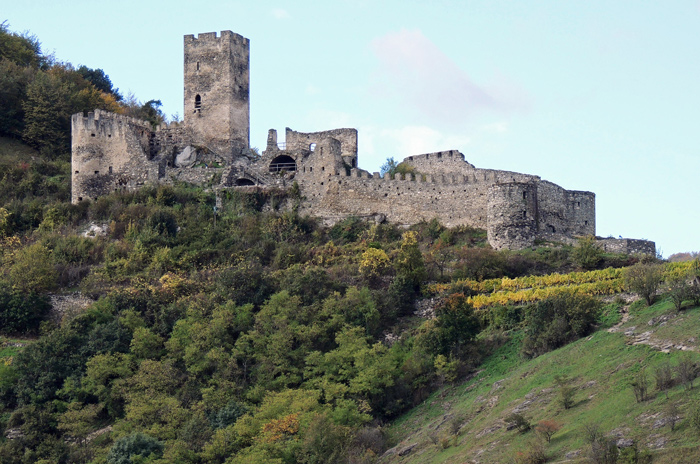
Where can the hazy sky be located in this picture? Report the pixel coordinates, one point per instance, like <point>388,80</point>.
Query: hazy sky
<point>591,95</point>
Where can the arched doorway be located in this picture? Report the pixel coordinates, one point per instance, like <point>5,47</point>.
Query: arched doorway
<point>283,163</point>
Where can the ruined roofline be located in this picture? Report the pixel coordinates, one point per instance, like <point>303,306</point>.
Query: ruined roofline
<point>93,119</point>
<point>578,192</point>
<point>437,155</point>
<point>213,37</point>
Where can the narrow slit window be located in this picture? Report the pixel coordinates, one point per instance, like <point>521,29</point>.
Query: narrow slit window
<point>524,214</point>
<point>110,169</point>
<point>197,102</point>
<point>524,195</point>
<point>197,65</point>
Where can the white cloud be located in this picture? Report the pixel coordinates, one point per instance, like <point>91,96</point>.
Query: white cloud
<point>415,140</point>
<point>280,13</point>
<point>417,74</point>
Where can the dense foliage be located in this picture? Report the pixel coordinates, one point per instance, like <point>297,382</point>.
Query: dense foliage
<point>230,335</point>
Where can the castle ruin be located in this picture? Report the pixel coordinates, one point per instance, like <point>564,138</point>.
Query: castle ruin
<point>111,152</point>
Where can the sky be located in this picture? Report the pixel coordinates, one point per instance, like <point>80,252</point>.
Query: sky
<point>591,95</point>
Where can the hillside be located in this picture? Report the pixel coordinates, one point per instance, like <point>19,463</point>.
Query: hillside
<point>175,325</point>
<point>600,369</point>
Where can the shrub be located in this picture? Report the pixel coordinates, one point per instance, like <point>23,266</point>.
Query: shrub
<point>558,320</point>
<point>694,417</point>
<point>138,444</point>
<point>640,385</point>
<point>547,428</point>
<point>679,291</point>
<point>518,421</point>
<point>534,454</point>
<point>566,392</point>
<point>687,371</point>
<point>664,377</point>
<point>587,253</point>
<point>604,451</point>
<point>21,312</point>
<point>644,279</point>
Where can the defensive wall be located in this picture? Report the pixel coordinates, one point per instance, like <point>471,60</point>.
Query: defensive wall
<point>211,147</point>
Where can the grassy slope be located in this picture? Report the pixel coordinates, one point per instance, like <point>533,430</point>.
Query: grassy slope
<point>601,367</point>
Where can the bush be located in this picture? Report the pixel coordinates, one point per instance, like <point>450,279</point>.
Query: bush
<point>558,320</point>
<point>21,312</point>
<point>518,421</point>
<point>640,385</point>
<point>587,253</point>
<point>644,279</point>
<point>138,444</point>
<point>547,428</point>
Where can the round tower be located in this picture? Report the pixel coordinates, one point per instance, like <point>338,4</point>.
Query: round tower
<point>511,215</point>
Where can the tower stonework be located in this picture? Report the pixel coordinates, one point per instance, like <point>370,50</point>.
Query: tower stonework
<point>217,84</point>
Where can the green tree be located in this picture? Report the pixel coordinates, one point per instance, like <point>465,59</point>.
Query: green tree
<point>47,115</point>
<point>644,279</point>
<point>409,262</point>
<point>558,320</point>
<point>389,167</point>
<point>21,49</point>
<point>128,449</point>
<point>587,253</point>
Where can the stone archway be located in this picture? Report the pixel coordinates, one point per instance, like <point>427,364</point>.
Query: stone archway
<point>243,182</point>
<point>283,163</point>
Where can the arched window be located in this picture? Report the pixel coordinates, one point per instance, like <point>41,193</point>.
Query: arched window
<point>197,102</point>
<point>312,146</point>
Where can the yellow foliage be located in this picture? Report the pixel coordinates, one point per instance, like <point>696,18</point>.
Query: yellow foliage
<point>374,263</point>
<point>277,429</point>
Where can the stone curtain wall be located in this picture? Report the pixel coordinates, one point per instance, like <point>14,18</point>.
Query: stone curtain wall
<point>628,246</point>
<point>217,69</point>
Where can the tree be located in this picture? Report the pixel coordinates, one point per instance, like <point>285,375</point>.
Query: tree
<point>389,167</point>
<point>518,421</point>
<point>139,444</point>
<point>21,49</point>
<point>47,115</point>
<point>640,385</point>
<point>679,291</point>
<point>644,279</point>
<point>409,263</point>
<point>587,253</point>
<point>100,80</point>
<point>558,320</point>
<point>374,263</point>
<point>547,428</point>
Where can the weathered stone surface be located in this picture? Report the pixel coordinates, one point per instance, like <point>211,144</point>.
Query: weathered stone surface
<point>211,147</point>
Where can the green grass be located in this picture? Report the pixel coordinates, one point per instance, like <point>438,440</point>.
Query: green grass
<point>601,368</point>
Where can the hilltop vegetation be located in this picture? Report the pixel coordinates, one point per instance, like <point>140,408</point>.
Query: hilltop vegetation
<point>153,327</point>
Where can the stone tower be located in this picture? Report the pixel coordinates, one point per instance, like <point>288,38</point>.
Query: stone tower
<point>217,81</point>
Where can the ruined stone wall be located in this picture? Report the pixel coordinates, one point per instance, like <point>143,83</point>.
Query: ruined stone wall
<point>300,141</point>
<point>109,152</point>
<point>627,245</point>
<point>216,97</point>
<point>562,212</point>
<point>442,162</point>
